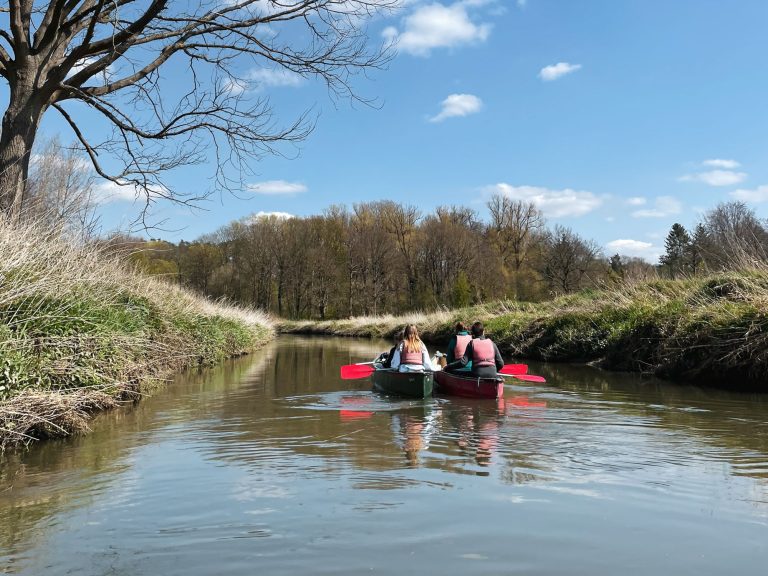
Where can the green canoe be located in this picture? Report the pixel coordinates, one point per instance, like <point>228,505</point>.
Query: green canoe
<point>413,384</point>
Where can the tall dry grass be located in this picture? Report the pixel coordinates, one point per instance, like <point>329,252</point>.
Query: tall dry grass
<point>73,319</point>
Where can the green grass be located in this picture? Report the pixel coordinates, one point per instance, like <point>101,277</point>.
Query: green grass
<point>74,322</point>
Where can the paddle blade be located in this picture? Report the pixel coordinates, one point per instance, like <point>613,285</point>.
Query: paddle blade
<point>355,371</point>
<point>529,377</point>
<point>514,369</point>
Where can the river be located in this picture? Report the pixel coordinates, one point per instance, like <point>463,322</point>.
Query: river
<point>271,464</point>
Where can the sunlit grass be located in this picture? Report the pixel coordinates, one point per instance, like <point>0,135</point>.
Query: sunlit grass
<point>73,319</point>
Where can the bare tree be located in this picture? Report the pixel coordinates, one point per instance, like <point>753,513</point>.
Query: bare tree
<point>736,238</point>
<point>114,57</point>
<point>402,223</point>
<point>60,190</point>
<point>569,260</point>
<point>513,223</point>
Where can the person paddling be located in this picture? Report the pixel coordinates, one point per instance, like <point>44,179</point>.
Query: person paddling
<point>411,355</point>
<point>458,343</point>
<point>385,358</point>
<point>482,352</point>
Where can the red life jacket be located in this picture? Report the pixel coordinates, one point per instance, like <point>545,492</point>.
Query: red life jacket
<point>461,345</point>
<point>483,353</point>
<point>410,357</point>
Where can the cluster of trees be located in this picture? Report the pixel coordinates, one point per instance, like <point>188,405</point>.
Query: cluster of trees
<point>729,236</point>
<point>380,257</point>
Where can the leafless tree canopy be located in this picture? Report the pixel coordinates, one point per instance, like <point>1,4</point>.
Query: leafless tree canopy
<point>122,60</point>
<point>60,191</point>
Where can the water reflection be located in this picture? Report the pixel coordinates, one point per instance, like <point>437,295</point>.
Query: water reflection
<point>277,448</point>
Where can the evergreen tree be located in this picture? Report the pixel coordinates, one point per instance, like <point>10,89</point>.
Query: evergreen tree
<point>677,247</point>
<point>698,249</point>
<point>617,267</point>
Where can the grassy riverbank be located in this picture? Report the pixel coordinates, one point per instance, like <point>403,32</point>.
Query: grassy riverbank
<point>712,330</point>
<point>79,332</point>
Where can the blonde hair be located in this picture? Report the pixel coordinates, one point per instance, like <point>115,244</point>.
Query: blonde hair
<point>411,340</point>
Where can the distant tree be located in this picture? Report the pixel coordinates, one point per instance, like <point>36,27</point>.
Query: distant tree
<point>449,248</point>
<point>402,223</point>
<point>60,191</point>
<point>617,267</point>
<point>198,262</point>
<point>698,249</point>
<point>462,291</point>
<point>569,261</point>
<point>512,224</point>
<point>638,270</point>
<point>736,237</point>
<point>677,247</point>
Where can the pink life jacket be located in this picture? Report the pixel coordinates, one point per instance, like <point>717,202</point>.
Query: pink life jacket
<point>410,357</point>
<point>461,345</point>
<point>483,353</point>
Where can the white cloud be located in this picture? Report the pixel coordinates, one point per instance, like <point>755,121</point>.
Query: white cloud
<point>522,3</point>
<point>721,163</point>
<point>716,177</point>
<point>235,86</point>
<point>663,206</point>
<point>108,191</point>
<point>274,77</point>
<point>554,203</point>
<point>637,248</point>
<point>276,187</point>
<point>722,175</point>
<point>80,65</point>
<point>758,195</point>
<point>437,26</point>
<point>279,215</point>
<point>636,201</point>
<point>555,71</point>
<point>458,105</point>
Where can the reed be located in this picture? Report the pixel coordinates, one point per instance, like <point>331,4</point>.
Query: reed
<point>79,331</point>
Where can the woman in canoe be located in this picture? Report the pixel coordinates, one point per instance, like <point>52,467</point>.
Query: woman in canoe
<point>482,352</point>
<point>458,343</point>
<point>411,355</point>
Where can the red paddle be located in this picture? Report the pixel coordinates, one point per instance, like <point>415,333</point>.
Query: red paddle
<point>514,369</point>
<point>525,377</point>
<point>355,371</point>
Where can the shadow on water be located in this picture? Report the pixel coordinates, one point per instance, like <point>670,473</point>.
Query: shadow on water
<point>277,446</point>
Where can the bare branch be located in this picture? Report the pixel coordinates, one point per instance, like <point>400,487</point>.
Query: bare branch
<point>110,55</point>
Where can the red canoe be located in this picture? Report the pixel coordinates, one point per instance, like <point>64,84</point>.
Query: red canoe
<point>468,386</point>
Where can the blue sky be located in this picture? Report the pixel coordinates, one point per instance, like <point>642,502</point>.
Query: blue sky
<point>617,118</point>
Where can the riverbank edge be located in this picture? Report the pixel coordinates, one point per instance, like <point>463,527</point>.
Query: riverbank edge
<point>710,331</point>
<point>34,415</point>
<point>83,332</point>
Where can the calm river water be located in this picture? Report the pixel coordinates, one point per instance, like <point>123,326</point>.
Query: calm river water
<point>274,465</point>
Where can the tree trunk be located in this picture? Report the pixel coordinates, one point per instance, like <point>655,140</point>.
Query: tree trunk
<point>19,128</point>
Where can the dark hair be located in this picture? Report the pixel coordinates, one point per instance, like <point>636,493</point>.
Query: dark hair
<point>398,336</point>
<point>477,329</point>
<point>461,327</point>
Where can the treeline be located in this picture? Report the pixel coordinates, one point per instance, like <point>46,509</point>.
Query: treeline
<point>380,257</point>
<point>383,257</point>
